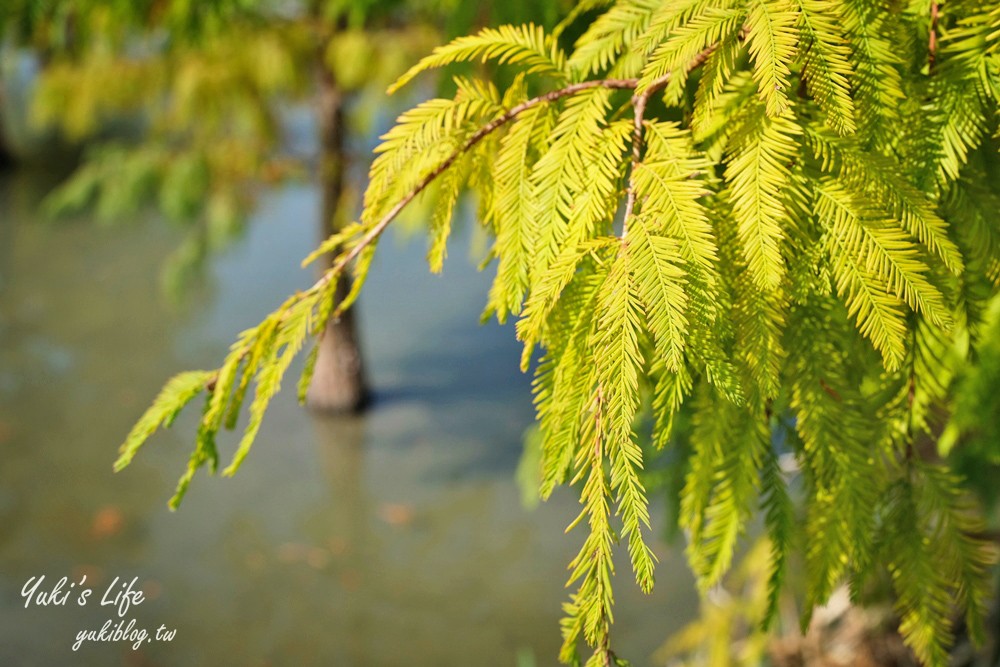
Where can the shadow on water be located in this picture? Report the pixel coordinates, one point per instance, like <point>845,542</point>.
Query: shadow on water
<point>396,538</point>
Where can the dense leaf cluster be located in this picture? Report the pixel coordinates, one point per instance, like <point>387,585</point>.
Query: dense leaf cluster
<point>779,214</point>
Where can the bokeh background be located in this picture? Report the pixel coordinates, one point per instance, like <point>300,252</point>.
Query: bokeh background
<point>159,191</point>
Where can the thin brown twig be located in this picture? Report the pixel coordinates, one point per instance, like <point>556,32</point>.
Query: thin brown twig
<point>932,40</point>
<point>639,102</point>
<point>639,110</point>
<point>479,135</point>
<point>597,465</point>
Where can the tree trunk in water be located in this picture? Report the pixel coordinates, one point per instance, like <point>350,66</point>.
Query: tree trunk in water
<point>6,157</point>
<point>338,384</point>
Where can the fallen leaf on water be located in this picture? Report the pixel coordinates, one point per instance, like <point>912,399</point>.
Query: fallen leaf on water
<point>396,514</point>
<point>151,589</point>
<point>94,574</point>
<point>108,521</point>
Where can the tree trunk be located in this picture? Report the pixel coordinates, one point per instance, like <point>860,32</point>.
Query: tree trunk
<point>338,384</point>
<point>6,157</point>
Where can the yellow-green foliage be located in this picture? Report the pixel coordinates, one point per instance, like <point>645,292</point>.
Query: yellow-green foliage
<point>202,86</point>
<point>773,213</point>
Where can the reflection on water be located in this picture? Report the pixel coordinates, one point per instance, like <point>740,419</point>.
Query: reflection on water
<point>392,539</point>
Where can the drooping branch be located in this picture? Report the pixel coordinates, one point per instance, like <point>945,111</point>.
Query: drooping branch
<point>341,263</point>
<point>480,134</point>
<point>932,40</point>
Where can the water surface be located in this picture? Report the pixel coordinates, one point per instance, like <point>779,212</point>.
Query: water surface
<point>392,539</point>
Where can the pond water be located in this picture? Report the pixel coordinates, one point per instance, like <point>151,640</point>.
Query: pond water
<point>396,538</point>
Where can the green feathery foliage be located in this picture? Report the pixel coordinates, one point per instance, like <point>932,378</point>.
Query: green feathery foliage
<point>776,215</point>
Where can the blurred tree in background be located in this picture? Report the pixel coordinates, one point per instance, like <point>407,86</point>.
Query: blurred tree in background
<point>204,82</point>
<point>180,103</point>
